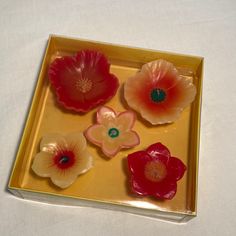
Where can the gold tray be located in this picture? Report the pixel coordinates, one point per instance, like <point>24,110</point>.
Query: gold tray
<point>106,185</point>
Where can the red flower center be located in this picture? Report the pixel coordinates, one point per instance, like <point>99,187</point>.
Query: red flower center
<point>84,85</point>
<point>155,171</point>
<point>64,160</point>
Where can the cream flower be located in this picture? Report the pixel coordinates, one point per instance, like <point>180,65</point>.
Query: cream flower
<point>113,131</point>
<point>62,158</point>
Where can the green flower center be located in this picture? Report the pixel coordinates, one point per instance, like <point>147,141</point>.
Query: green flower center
<point>113,132</point>
<point>64,159</point>
<point>158,95</point>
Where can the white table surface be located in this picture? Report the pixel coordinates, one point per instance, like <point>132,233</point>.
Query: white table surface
<point>205,28</point>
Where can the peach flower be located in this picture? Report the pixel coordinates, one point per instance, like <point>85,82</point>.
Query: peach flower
<point>158,92</point>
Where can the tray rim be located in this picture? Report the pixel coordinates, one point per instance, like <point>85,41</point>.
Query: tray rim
<point>182,217</point>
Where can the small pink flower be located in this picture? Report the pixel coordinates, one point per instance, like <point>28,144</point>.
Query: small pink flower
<point>62,158</point>
<point>113,131</point>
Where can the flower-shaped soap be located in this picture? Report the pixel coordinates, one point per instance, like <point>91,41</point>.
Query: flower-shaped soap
<point>113,131</point>
<point>83,81</point>
<point>155,172</point>
<point>62,158</point>
<point>158,92</point>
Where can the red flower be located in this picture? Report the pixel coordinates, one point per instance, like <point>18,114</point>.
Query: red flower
<point>155,172</point>
<point>83,81</point>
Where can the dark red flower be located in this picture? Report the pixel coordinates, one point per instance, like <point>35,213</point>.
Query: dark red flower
<point>83,81</point>
<point>155,172</point>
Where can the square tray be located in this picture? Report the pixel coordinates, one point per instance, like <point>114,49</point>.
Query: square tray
<point>106,185</point>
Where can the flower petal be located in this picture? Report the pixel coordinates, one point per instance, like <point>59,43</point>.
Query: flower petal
<point>85,162</point>
<point>83,81</point>
<point>166,190</point>
<point>95,134</point>
<point>157,149</point>
<point>64,178</point>
<point>138,188</point>
<point>180,95</point>
<point>137,162</point>
<point>43,164</point>
<point>125,120</point>
<point>95,61</point>
<point>162,73</point>
<point>51,142</point>
<point>110,147</point>
<point>105,115</point>
<point>135,88</point>
<point>129,139</point>
<point>184,98</point>
<point>161,115</point>
<point>103,90</point>
<point>163,190</point>
<point>176,168</point>
<point>76,140</point>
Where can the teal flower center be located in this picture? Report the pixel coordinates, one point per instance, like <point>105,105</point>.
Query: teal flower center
<point>158,95</point>
<point>113,132</point>
<point>64,160</point>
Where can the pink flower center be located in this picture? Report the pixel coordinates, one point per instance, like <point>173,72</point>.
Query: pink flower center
<point>64,159</point>
<point>84,85</point>
<point>155,171</point>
